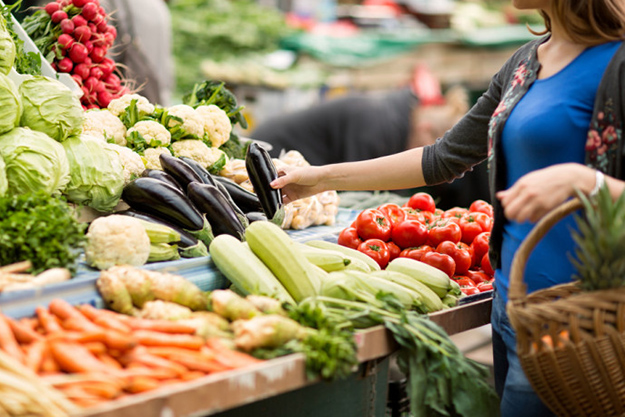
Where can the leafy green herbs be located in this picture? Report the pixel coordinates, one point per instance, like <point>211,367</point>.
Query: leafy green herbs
<point>25,62</point>
<point>41,229</point>
<point>215,92</point>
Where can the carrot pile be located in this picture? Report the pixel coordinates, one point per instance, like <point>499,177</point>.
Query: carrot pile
<point>95,355</point>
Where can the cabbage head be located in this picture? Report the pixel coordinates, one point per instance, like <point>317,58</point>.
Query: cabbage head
<point>4,185</point>
<point>34,162</point>
<point>97,174</point>
<point>10,103</point>
<point>51,107</point>
<point>7,46</point>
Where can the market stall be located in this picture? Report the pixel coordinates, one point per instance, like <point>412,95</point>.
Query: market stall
<point>154,270</point>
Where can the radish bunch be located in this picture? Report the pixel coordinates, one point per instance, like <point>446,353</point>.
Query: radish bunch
<point>75,37</point>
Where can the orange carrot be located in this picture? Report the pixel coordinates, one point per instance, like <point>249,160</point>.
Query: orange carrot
<point>95,347</point>
<point>7,340</point>
<point>80,397</point>
<point>31,322</point>
<point>35,353</point>
<point>79,324</point>
<point>166,351</point>
<point>229,357</point>
<point>152,338</point>
<point>142,356</point>
<point>73,357</point>
<point>162,326</point>
<point>109,360</point>
<point>142,384</point>
<point>48,321</point>
<point>48,364</point>
<point>23,333</point>
<point>199,363</point>
<point>93,313</point>
<point>191,375</point>
<point>136,369</point>
<point>70,316</point>
<point>112,323</point>
<point>118,340</point>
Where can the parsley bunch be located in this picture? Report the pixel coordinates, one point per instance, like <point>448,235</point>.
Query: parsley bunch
<point>41,229</point>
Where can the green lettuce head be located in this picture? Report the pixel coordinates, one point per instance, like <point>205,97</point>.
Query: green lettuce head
<point>51,107</point>
<point>4,185</point>
<point>96,172</point>
<point>10,103</point>
<point>7,46</point>
<point>34,162</point>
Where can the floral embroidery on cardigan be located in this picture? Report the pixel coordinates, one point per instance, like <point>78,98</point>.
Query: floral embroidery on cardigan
<point>604,136</point>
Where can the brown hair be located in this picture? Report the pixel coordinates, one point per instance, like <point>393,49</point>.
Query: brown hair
<point>588,22</point>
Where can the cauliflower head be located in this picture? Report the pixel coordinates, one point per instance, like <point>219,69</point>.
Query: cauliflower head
<point>131,161</point>
<point>117,240</point>
<point>154,133</point>
<point>118,106</point>
<point>192,122</point>
<point>102,124</point>
<point>198,151</point>
<point>151,156</point>
<point>217,124</point>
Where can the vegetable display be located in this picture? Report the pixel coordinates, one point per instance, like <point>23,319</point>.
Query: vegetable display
<point>7,46</point>
<point>11,104</point>
<point>41,229</point>
<point>454,241</point>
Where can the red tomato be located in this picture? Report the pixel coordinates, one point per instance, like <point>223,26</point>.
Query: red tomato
<point>480,247</point>
<point>441,261</point>
<point>409,234</point>
<point>439,212</point>
<point>444,230</point>
<point>349,237</point>
<point>416,253</point>
<point>422,201</point>
<point>482,206</point>
<point>393,213</point>
<point>455,212</point>
<point>472,224</point>
<point>485,286</point>
<point>412,214</point>
<point>469,290</point>
<point>464,281</point>
<point>486,266</point>
<point>373,224</point>
<point>428,217</point>
<point>460,255</point>
<point>478,276</point>
<point>377,250</point>
<point>393,250</point>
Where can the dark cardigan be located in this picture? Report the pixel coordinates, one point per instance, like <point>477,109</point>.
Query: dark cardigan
<point>477,136</point>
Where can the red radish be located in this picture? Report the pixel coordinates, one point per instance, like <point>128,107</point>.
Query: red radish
<point>88,62</point>
<point>78,52</point>
<point>82,70</point>
<point>85,92</point>
<point>92,27</point>
<point>50,8</point>
<point>65,41</point>
<point>98,39</point>
<point>113,81</point>
<point>64,3</point>
<point>109,38</point>
<point>65,65</point>
<point>98,53</point>
<point>79,20</point>
<point>58,16</point>
<point>91,83</point>
<point>80,3</point>
<point>107,66</point>
<point>67,26</point>
<point>102,26</point>
<point>102,11</point>
<point>96,73</point>
<point>82,34</point>
<point>104,98</point>
<point>89,46</point>
<point>92,106</point>
<point>89,11</point>
<point>112,30</point>
<point>77,79</point>
<point>54,67</point>
<point>97,19</point>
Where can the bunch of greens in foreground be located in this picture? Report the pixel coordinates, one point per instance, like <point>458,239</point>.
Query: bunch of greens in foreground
<point>41,229</point>
<point>441,380</point>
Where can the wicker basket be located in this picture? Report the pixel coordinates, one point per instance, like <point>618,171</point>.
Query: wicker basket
<point>571,344</point>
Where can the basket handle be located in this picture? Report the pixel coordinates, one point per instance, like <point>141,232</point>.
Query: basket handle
<point>517,287</point>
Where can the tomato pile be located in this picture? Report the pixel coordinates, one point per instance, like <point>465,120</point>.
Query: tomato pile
<point>454,241</point>
<point>75,37</point>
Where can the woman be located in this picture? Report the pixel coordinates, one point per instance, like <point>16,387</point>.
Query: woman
<point>550,123</point>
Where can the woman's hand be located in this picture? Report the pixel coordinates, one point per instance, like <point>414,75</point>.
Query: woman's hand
<point>298,182</point>
<point>538,192</point>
